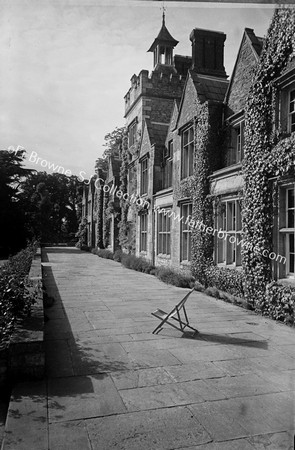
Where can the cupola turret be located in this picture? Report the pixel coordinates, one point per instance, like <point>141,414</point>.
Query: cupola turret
<point>163,46</point>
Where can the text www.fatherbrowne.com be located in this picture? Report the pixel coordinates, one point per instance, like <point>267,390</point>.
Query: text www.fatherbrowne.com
<point>221,234</point>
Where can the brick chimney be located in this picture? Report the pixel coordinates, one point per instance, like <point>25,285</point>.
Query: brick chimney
<point>208,52</point>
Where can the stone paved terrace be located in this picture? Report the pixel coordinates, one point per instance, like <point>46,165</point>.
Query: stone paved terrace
<point>112,384</point>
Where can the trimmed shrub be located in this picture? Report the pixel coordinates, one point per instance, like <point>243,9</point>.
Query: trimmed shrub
<point>228,280</point>
<point>135,263</point>
<point>118,255</point>
<point>104,253</point>
<point>170,276</point>
<point>199,287</point>
<point>279,302</point>
<point>212,291</point>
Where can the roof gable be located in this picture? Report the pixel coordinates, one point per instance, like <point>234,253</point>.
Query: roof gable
<point>244,69</point>
<point>188,103</point>
<point>145,141</point>
<point>199,88</point>
<point>153,134</point>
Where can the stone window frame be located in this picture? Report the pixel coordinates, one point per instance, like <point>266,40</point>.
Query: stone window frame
<point>286,86</point>
<point>143,224</point>
<point>187,151</point>
<point>144,175</point>
<point>286,230</point>
<point>228,222</point>
<point>132,132</point>
<point>185,232</point>
<point>291,111</point>
<point>235,153</point>
<point>168,166</point>
<point>164,233</point>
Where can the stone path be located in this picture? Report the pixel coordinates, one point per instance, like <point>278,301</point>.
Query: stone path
<point>112,384</point>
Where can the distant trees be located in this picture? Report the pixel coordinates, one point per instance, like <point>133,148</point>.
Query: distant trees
<point>52,204</point>
<point>113,143</point>
<point>35,205</point>
<point>12,219</point>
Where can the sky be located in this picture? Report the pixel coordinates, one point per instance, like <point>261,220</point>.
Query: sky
<point>66,66</point>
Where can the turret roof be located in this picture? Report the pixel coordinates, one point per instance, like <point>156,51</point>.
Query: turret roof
<point>164,37</point>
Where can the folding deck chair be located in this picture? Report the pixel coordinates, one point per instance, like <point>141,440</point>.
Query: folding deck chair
<point>182,323</point>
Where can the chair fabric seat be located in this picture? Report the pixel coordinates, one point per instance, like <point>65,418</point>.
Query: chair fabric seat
<point>179,322</point>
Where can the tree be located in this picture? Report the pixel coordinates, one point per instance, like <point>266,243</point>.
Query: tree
<point>113,144</point>
<point>12,230</point>
<point>53,205</point>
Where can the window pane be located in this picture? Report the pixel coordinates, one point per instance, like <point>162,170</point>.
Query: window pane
<point>191,159</point>
<point>184,246</point>
<point>168,244</point>
<point>290,198</point>
<point>291,263</point>
<point>291,218</point>
<point>291,243</point>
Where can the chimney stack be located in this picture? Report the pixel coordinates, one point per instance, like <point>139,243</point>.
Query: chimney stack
<point>208,52</point>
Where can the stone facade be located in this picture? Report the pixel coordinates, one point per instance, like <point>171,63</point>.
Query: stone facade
<point>162,122</point>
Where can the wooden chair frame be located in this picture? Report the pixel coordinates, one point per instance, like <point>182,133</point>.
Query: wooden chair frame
<point>175,315</point>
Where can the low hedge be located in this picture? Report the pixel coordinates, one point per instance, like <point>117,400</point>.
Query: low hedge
<point>165,274</point>
<point>135,263</point>
<point>16,293</point>
<point>103,253</point>
<point>228,280</point>
<point>279,302</point>
<point>171,276</point>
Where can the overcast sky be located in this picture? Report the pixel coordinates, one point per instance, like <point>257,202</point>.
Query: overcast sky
<point>66,66</point>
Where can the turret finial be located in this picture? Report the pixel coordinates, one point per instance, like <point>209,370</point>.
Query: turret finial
<point>163,16</point>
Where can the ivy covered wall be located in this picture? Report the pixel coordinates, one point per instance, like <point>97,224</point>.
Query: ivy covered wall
<point>267,154</point>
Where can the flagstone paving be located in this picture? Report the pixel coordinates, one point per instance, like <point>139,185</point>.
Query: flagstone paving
<point>111,384</point>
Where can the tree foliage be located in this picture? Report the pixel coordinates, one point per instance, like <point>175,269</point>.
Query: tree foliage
<point>12,219</point>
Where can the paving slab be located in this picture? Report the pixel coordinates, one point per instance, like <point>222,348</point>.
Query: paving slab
<point>82,397</point>
<point>147,430</point>
<point>27,420</point>
<point>140,378</point>
<point>112,384</point>
<point>70,435</point>
<point>171,394</point>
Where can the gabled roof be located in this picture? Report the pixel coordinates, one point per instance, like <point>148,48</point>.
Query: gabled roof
<point>210,88</point>
<point>157,132</point>
<point>255,43</point>
<point>205,88</point>
<point>164,37</point>
<point>173,121</point>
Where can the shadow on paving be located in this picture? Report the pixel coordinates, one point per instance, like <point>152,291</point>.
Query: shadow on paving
<point>69,355</point>
<point>228,340</point>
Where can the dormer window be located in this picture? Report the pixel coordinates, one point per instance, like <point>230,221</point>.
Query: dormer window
<point>287,106</point>
<point>235,153</point>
